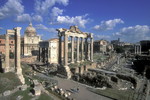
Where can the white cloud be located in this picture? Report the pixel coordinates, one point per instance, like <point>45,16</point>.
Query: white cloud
<point>43,7</point>
<point>107,37</point>
<point>55,12</point>
<point>134,33</point>
<point>77,20</point>
<point>11,8</point>
<point>43,27</point>
<point>23,18</point>
<point>37,18</point>
<point>108,25</point>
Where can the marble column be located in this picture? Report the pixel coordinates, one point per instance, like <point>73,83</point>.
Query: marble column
<point>66,50</point>
<point>17,49</point>
<point>17,55</point>
<point>91,49</point>
<point>82,49</point>
<point>60,49</point>
<point>140,49</point>
<point>77,49</point>
<point>72,49</point>
<point>6,69</point>
<point>39,53</point>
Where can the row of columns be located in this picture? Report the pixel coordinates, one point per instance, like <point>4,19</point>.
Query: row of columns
<point>88,49</point>
<point>137,49</point>
<point>16,33</point>
<point>44,54</point>
<point>7,68</point>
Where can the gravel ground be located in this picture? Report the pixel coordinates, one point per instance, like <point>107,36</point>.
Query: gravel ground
<point>82,94</point>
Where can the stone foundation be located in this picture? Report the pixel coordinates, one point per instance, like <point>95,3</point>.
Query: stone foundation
<point>64,70</point>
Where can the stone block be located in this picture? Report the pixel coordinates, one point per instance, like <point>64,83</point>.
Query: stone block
<point>37,91</point>
<point>23,87</point>
<point>35,82</point>
<point>6,93</point>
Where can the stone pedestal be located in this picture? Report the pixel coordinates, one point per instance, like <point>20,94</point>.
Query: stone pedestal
<point>20,76</point>
<point>68,72</point>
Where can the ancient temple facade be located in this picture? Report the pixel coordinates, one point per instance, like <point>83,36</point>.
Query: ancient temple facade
<point>81,44</point>
<point>30,41</point>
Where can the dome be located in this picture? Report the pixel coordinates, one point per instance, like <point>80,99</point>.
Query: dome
<point>30,30</point>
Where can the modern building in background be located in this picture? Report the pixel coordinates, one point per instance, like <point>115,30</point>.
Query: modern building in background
<point>2,43</point>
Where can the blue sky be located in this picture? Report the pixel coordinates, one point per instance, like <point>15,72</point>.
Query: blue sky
<point>107,19</point>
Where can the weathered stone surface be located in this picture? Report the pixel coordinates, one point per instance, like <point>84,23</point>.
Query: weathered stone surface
<point>19,97</point>
<point>23,87</point>
<point>35,83</point>
<point>37,91</point>
<point>6,93</point>
<point>21,78</point>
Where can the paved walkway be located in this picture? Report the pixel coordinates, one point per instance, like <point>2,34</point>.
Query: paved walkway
<point>82,94</point>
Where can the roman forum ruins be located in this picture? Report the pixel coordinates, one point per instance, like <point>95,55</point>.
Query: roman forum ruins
<point>83,42</point>
<point>7,68</point>
<point>137,49</point>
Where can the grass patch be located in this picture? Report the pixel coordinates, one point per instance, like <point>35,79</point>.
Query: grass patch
<point>8,81</point>
<point>22,93</point>
<point>115,94</point>
<point>74,65</point>
<point>45,97</point>
<point>99,57</point>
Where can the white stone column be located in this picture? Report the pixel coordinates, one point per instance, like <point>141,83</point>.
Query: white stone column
<point>17,49</point>
<point>78,49</point>
<point>17,54</point>
<point>72,49</point>
<point>82,49</point>
<point>60,49</point>
<point>135,49</point>
<point>66,50</point>
<point>7,66</point>
<point>91,49</point>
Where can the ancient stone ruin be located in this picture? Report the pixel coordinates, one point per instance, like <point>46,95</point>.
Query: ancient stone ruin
<point>83,43</point>
<point>17,67</point>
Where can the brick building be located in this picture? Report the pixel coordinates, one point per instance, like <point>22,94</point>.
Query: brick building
<point>2,44</point>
